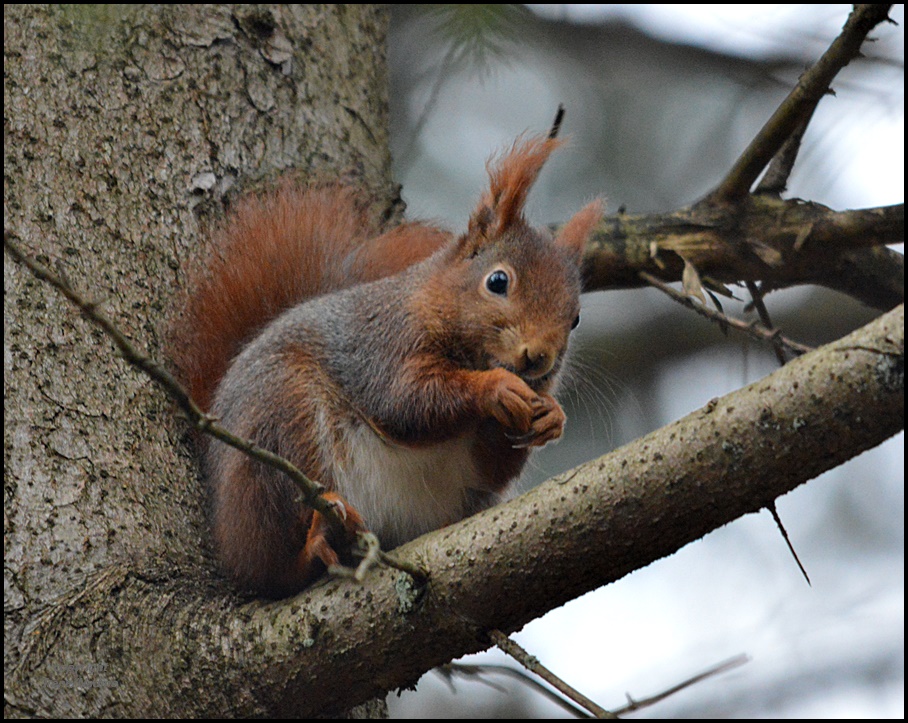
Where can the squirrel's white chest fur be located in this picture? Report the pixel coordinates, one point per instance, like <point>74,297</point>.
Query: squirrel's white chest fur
<point>403,492</point>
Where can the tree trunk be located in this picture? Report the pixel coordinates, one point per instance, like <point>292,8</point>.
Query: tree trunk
<point>125,128</point>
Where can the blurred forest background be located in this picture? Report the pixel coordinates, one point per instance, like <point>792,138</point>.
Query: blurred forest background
<point>660,100</point>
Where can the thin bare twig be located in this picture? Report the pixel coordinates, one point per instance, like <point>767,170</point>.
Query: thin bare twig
<point>477,670</point>
<point>534,666</point>
<point>775,180</point>
<point>209,425</point>
<point>757,297</point>
<point>633,704</point>
<point>778,520</point>
<point>754,330</point>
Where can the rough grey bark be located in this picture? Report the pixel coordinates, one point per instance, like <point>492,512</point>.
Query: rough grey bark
<point>125,126</point>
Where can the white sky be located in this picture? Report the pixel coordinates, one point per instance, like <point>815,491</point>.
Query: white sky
<point>755,30</point>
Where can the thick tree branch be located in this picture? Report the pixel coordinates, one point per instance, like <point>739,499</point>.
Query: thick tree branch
<point>779,243</point>
<point>341,643</point>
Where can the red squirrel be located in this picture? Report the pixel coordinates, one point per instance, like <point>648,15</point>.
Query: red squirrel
<point>408,372</point>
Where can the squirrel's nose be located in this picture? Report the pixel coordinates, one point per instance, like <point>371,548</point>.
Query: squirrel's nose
<point>535,363</point>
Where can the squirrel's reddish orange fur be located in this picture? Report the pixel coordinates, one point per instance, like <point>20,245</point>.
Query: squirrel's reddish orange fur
<point>274,252</point>
<point>409,372</point>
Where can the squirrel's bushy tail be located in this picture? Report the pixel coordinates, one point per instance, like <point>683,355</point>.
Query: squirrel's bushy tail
<point>275,251</point>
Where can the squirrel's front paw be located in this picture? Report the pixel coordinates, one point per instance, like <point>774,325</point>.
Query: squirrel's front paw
<point>547,424</point>
<point>531,419</point>
<point>509,400</point>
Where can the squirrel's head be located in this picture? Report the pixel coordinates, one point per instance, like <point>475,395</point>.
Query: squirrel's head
<point>515,290</point>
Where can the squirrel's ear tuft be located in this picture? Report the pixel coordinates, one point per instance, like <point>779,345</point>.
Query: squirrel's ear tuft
<point>573,236</point>
<point>510,180</point>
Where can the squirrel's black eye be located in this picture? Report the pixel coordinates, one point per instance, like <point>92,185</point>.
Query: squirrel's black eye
<point>497,282</point>
<point>576,322</point>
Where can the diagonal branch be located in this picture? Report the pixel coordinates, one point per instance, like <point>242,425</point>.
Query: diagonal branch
<point>498,569</point>
<point>797,108</point>
<point>732,236</point>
